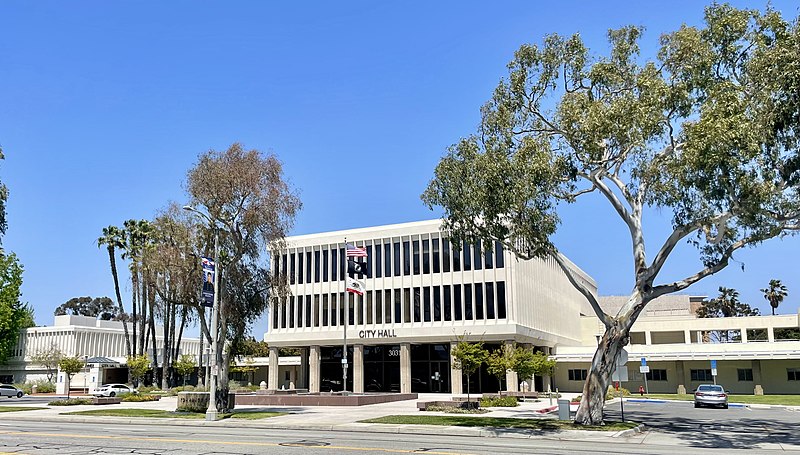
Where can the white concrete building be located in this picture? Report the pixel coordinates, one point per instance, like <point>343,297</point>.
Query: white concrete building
<point>421,293</point>
<point>94,339</point>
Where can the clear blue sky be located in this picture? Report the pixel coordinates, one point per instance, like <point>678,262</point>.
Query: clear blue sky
<point>104,106</point>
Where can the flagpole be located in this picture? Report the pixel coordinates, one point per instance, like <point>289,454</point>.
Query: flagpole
<point>346,317</point>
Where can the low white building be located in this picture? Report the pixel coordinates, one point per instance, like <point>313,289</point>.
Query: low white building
<point>100,343</point>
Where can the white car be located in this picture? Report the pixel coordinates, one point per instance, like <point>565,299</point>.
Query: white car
<point>9,391</point>
<point>112,390</point>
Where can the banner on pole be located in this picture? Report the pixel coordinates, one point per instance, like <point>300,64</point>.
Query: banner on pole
<point>209,269</point>
<point>355,286</point>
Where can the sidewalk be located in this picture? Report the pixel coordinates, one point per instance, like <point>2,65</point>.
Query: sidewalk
<point>331,418</point>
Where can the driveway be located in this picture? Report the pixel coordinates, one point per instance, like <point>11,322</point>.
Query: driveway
<point>733,428</point>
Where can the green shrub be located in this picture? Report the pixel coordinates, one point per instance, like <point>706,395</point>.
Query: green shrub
<point>612,393</point>
<point>499,402</point>
<point>44,386</point>
<point>70,402</point>
<point>233,385</point>
<point>455,410</point>
<point>148,389</point>
<point>577,399</point>
<point>139,398</point>
<point>26,387</point>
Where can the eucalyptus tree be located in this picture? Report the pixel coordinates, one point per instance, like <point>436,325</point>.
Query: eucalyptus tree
<point>3,200</point>
<point>775,294</point>
<point>705,131</point>
<point>97,307</point>
<point>245,196</point>
<point>113,239</point>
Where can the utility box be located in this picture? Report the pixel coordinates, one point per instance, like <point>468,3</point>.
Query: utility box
<point>563,409</point>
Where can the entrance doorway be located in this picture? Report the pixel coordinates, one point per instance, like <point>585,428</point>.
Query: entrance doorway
<point>430,368</point>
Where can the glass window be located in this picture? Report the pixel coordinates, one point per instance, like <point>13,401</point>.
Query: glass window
<point>369,261</point>
<point>417,303</point>
<point>499,261</point>
<point>387,259</point>
<point>325,265</point>
<point>316,267</point>
<point>317,309</point>
<point>351,307</point>
<point>406,258</point>
<point>359,301</point>
<point>426,253</point>
<point>396,258</point>
<point>426,300</point>
<point>468,302</point>
<point>387,304</point>
<point>745,374</point>
<point>576,375</point>
<point>456,259</point>
<point>308,267</point>
<point>436,258</point>
<point>465,253</point>
<point>488,255</point>
<point>656,375</point>
<point>342,264</point>
<point>489,301</point>
<point>398,306</point>
<point>325,311</point>
<point>300,267</point>
<point>377,307</point>
<point>299,310</point>
<point>415,244</point>
<point>283,314</point>
<point>445,255</point>
<point>334,261</point>
<point>308,311</point>
<point>275,314</point>
<point>378,261</point>
<point>457,301</point>
<point>292,276</point>
<point>501,300</point>
<point>478,260</point>
<point>437,304</point>
<point>406,305</point>
<point>701,375</point>
<point>793,374</point>
<point>447,304</point>
<point>478,301</point>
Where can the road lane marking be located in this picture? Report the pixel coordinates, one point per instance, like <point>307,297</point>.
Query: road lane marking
<point>235,443</point>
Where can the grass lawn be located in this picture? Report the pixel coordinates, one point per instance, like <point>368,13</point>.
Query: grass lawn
<point>17,408</point>
<point>156,413</point>
<point>788,400</point>
<point>497,422</point>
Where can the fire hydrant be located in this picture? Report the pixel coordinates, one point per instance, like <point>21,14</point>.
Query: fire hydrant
<point>641,390</point>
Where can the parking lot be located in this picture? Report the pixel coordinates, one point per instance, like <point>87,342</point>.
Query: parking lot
<point>735,428</point>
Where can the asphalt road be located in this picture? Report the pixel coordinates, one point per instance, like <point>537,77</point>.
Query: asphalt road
<point>733,428</point>
<point>48,438</point>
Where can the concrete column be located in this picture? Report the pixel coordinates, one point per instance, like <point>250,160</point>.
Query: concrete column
<point>771,334</point>
<point>358,368</point>
<point>546,379</point>
<point>405,368</point>
<point>272,381</point>
<point>313,369</point>
<point>681,376</point>
<point>647,338</point>
<point>757,390</point>
<point>302,380</point>
<point>743,331</point>
<point>455,374</point>
<point>687,336</point>
<point>293,378</point>
<point>512,382</point>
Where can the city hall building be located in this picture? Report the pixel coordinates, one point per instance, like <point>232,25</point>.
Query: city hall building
<point>422,292</point>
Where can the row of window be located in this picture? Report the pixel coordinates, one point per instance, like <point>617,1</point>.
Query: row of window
<point>409,257</point>
<point>419,304</point>
<point>701,375</point>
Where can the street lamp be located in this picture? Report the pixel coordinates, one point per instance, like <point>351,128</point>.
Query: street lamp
<point>85,367</point>
<point>211,412</point>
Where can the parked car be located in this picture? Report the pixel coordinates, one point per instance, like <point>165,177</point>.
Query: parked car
<point>711,395</point>
<point>112,390</point>
<point>8,390</point>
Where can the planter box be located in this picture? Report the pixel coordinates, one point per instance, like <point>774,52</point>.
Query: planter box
<point>106,400</point>
<point>198,401</point>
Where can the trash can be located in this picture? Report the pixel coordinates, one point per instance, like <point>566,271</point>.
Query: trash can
<point>563,409</point>
<point>34,389</point>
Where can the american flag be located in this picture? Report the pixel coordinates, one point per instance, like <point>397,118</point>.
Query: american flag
<point>356,251</point>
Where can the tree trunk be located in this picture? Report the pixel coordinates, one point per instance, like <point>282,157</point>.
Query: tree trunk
<point>134,303</point>
<point>590,411</point>
<point>165,348</point>
<point>113,261</point>
<point>143,301</point>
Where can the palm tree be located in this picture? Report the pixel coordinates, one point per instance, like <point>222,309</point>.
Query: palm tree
<point>775,294</point>
<point>114,238</point>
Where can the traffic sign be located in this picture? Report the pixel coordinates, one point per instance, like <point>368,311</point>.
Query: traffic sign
<point>644,369</point>
<point>622,359</point>
<point>620,374</point>
<point>713,372</point>
<point>644,362</point>
<point>713,364</point>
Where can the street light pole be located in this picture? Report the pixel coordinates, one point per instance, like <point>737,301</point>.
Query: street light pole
<point>211,412</point>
